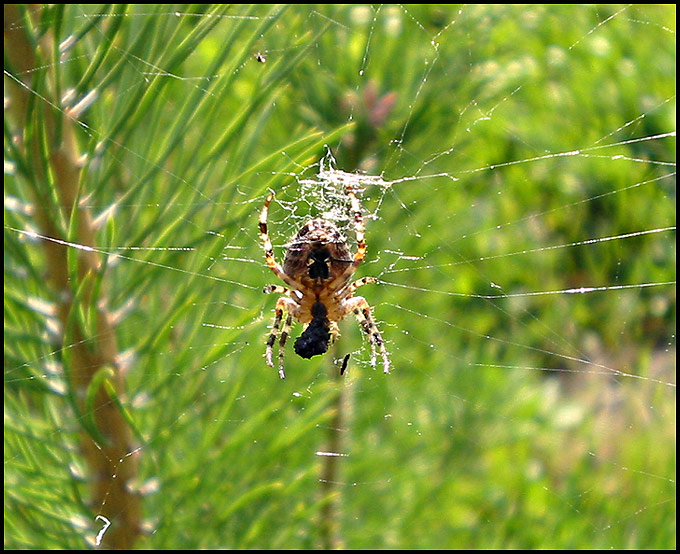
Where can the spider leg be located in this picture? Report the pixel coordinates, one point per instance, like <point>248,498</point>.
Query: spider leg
<point>358,283</point>
<point>269,249</point>
<point>334,331</point>
<point>355,207</point>
<point>269,289</point>
<point>358,227</point>
<point>282,344</point>
<point>283,304</point>
<point>362,311</point>
<point>290,293</point>
<point>272,336</point>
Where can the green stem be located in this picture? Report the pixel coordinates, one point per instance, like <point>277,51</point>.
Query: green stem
<point>46,138</point>
<point>329,527</point>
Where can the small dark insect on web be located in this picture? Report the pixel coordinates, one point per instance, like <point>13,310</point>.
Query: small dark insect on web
<point>344,364</point>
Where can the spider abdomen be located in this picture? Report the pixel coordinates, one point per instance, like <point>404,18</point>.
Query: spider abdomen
<point>316,337</point>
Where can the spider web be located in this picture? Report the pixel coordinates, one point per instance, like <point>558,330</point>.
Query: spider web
<point>552,387</point>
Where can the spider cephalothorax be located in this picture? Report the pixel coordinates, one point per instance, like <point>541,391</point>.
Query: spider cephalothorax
<point>317,253</point>
<point>317,270</point>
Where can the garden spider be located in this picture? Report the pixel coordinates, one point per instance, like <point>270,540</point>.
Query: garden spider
<point>317,270</point>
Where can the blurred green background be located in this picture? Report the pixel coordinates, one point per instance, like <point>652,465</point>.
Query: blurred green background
<point>511,419</point>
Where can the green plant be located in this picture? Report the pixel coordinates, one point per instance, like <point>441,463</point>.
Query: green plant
<point>522,234</point>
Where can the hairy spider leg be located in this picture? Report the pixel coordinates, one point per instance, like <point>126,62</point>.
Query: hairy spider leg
<point>278,289</point>
<point>269,249</point>
<point>358,227</point>
<point>282,343</point>
<point>272,336</point>
<point>354,286</point>
<point>355,207</point>
<point>362,311</point>
<point>283,304</point>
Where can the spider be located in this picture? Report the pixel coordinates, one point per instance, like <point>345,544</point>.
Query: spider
<point>317,269</point>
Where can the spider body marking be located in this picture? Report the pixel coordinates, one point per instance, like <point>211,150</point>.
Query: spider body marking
<point>317,270</point>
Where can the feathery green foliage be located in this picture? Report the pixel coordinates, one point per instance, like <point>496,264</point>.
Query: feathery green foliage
<point>469,443</point>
